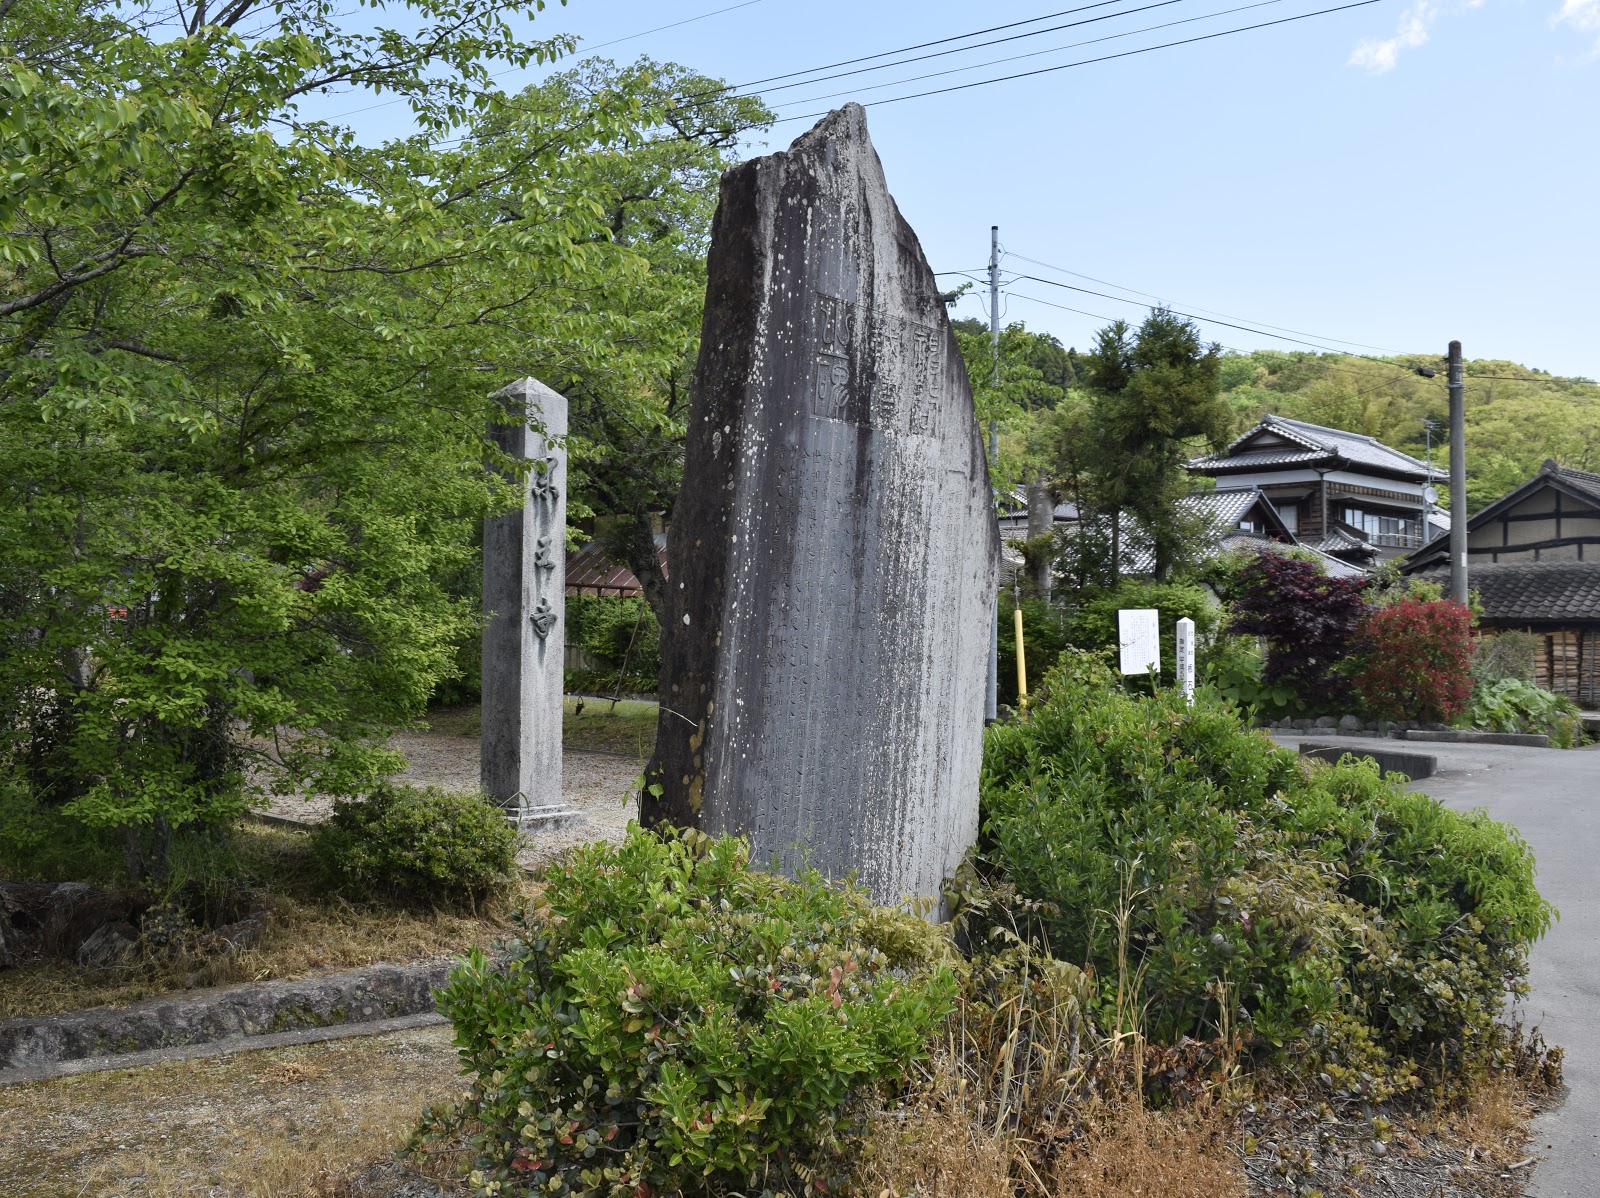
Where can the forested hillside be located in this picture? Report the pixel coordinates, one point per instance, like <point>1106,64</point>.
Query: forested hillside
<point>1516,416</point>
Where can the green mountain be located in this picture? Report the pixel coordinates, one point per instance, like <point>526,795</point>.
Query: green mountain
<point>1516,416</point>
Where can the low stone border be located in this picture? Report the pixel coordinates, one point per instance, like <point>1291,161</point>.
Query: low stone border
<point>1391,761</point>
<point>252,1011</point>
<point>1466,736</point>
<point>217,1048</point>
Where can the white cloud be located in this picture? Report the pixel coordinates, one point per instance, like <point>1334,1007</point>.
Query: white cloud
<point>1380,55</point>
<point>1582,15</point>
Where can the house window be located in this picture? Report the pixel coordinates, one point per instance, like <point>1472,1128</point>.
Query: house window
<point>1398,531</point>
<point>1291,518</point>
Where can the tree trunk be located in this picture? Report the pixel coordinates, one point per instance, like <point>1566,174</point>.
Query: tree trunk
<point>631,539</point>
<point>1041,523</point>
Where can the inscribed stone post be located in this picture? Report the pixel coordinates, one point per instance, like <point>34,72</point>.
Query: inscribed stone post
<point>524,581</point>
<point>1183,650</point>
<point>833,555</point>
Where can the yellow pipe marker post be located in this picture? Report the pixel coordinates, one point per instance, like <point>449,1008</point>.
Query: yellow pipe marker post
<point>1022,665</point>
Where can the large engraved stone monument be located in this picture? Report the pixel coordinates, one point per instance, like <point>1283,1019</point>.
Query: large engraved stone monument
<point>524,585</point>
<point>833,554</point>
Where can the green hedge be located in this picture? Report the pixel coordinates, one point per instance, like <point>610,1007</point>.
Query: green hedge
<point>674,1021</point>
<point>1322,910</point>
<point>418,844</point>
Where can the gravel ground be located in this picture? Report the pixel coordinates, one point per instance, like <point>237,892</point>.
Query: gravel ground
<point>597,784</point>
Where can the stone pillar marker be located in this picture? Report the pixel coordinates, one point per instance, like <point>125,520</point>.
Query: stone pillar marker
<point>833,555</point>
<point>1183,649</point>
<point>524,585</point>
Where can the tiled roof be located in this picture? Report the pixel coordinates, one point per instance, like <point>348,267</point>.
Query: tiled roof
<point>1259,457</point>
<point>1337,541</point>
<point>1533,592</point>
<point>1223,507</point>
<point>1319,442</point>
<point>1583,480</point>
<point>590,570</point>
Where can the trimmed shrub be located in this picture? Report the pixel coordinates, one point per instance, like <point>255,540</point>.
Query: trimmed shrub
<point>419,844</point>
<point>1094,626</point>
<point>1511,705</point>
<point>1324,912</point>
<point>1414,660</point>
<point>674,1021</point>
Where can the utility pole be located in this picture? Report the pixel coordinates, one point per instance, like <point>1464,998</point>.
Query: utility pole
<point>1458,478</point>
<point>991,709</point>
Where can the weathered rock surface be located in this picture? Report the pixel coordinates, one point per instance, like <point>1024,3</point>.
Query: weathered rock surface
<point>833,554</point>
<point>356,996</point>
<point>56,919</point>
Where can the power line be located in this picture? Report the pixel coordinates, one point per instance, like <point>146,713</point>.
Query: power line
<point>1159,299</point>
<point>1094,41</point>
<point>847,62</point>
<point>1187,315</point>
<point>904,62</point>
<point>1205,37</point>
<point>716,12</point>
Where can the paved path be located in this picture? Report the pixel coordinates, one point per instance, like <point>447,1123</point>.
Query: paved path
<point>1553,798</point>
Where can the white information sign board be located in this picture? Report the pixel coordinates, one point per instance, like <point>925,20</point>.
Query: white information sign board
<point>1139,637</point>
<point>1184,651</point>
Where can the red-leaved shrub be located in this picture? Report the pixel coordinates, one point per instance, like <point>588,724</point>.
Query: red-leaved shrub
<point>1414,660</point>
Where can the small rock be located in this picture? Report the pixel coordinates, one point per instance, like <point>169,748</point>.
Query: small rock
<point>1379,1148</point>
<point>1326,721</point>
<point>108,946</point>
<point>1349,723</point>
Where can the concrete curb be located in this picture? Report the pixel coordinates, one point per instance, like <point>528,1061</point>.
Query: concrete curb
<point>1462,736</point>
<point>217,1048</point>
<point>1414,766</point>
<point>253,1012</point>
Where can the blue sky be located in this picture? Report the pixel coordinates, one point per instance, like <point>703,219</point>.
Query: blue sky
<point>1393,175</point>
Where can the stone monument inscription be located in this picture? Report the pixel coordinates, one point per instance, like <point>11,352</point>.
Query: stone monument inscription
<point>834,553</point>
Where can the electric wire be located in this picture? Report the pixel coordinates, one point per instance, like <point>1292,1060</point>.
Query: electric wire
<point>1110,16</point>
<point>1093,41</point>
<point>1159,299</point>
<point>1205,37</point>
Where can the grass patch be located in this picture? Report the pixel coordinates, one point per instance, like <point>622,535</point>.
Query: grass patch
<point>627,726</point>
<point>304,1122</point>
<point>305,933</point>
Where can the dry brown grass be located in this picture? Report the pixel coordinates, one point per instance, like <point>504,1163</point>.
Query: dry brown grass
<point>301,1122</point>
<point>1127,1151</point>
<point>302,938</point>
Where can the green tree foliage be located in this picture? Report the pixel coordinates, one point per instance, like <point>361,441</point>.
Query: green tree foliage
<point>1516,417</point>
<point>1154,402</point>
<point>1029,364</point>
<point>674,1022</point>
<point>244,373</point>
<point>1212,881</point>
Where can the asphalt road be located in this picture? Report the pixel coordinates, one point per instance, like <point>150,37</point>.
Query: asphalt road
<point>1552,797</point>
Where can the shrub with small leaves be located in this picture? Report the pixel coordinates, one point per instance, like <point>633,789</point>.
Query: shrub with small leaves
<point>420,844</point>
<point>1414,660</point>
<point>1180,853</point>
<point>672,1021</point>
